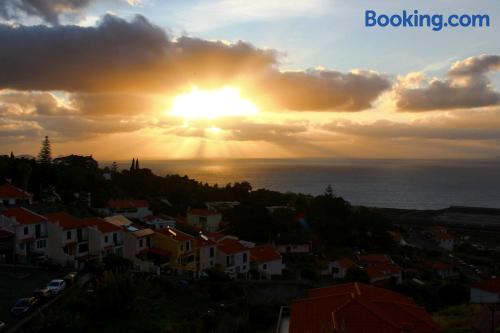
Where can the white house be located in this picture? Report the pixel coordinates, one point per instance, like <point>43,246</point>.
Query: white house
<point>206,253</point>
<point>159,221</point>
<point>139,247</point>
<point>267,260</point>
<point>11,195</point>
<point>337,269</point>
<point>29,229</point>
<point>486,292</point>
<point>68,240</point>
<point>443,239</point>
<point>106,238</point>
<point>233,257</point>
<point>138,209</point>
<point>205,219</point>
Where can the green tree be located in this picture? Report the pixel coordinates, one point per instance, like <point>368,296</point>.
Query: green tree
<point>114,167</point>
<point>45,155</point>
<point>356,274</point>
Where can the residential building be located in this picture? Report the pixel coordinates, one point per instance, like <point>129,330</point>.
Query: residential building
<point>181,247</point>
<point>159,221</point>
<point>267,261</point>
<point>206,253</point>
<point>137,209</point>
<point>337,269</point>
<point>441,269</point>
<point>486,292</point>
<point>68,240</point>
<point>205,219</point>
<point>380,268</point>
<point>443,239</point>
<point>141,249</point>
<point>29,230</point>
<point>106,238</point>
<point>119,220</point>
<point>14,196</point>
<point>233,257</point>
<point>356,308</point>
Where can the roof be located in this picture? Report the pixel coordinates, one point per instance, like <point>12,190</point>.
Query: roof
<point>175,234</point>
<point>345,262</point>
<point>158,217</point>
<point>202,241</point>
<point>382,270</point>
<point>10,191</point>
<point>203,212</point>
<point>491,285</point>
<point>216,235</point>
<point>118,220</point>
<point>5,234</point>
<point>443,236</point>
<point>231,246</point>
<point>124,203</point>
<point>437,265</point>
<point>358,308</point>
<point>65,220</point>
<point>102,225</point>
<point>24,216</point>
<point>143,233</point>
<point>264,253</point>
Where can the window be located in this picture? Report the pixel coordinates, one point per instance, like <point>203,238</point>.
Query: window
<point>141,243</point>
<point>84,247</point>
<point>115,237</point>
<point>42,243</point>
<point>245,257</point>
<point>26,230</point>
<point>212,252</point>
<point>106,239</point>
<point>68,235</point>
<point>264,266</point>
<point>230,260</point>
<point>182,248</point>
<point>187,246</point>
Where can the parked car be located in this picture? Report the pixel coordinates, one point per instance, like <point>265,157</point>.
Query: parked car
<point>42,293</point>
<point>56,286</point>
<point>23,306</point>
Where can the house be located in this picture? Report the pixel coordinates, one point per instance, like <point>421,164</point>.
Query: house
<point>119,220</point>
<point>106,238</point>
<point>206,253</point>
<point>29,230</point>
<point>233,257</point>
<point>267,260</point>
<point>441,269</point>
<point>486,292</point>
<point>294,248</point>
<point>443,239</point>
<point>205,219</point>
<point>356,308</point>
<point>68,240</point>
<point>380,268</point>
<point>137,209</point>
<point>159,221</point>
<point>182,248</point>
<point>487,321</point>
<point>338,268</point>
<point>140,247</point>
<point>14,196</point>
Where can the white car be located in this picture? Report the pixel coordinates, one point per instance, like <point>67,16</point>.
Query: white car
<point>56,286</point>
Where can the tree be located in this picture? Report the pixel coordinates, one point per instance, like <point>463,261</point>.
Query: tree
<point>114,167</point>
<point>132,167</point>
<point>329,191</point>
<point>45,155</point>
<point>137,164</point>
<point>356,274</point>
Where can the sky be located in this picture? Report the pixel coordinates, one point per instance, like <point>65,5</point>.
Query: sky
<point>247,79</point>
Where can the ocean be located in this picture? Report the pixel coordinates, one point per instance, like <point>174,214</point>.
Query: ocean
<point>413,184</point>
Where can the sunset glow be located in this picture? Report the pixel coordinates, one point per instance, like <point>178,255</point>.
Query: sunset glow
<point>211,104</point>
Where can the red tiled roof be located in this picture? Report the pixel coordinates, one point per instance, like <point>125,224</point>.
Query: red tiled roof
<point>264,253</point>
<point>203,212</point>
<point>382,270</point>
<point>436,265</point>
<point>4,234</point>
<point>24,216</point>
<point>216,235</point>
<point>491,285</point>
<point>175,234</point>
<point>65,220</point>
<point>358,308</point>
<point>102,225</point>
<point>10,191</point>
<point>124,204</point>
<point>345,262</point>
<point>201,242</point>
<point>231,246</point>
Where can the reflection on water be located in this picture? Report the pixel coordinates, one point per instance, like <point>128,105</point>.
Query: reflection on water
<point>383,183</point>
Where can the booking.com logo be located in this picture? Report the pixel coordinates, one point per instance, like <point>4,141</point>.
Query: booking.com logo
<point>435,21</point>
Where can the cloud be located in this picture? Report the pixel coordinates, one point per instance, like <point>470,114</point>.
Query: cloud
<point>117,103</point>
<point>461,125</point>
<point>466,86</point>
<point>138,57</point>
<point>42,103</point>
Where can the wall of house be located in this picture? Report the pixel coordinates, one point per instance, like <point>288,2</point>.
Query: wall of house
<point>241,262</point>
<point>95,242</point>
<point>206,260</point>
<point>211,224</point>
<point>271,268</point>
<point>483,296</point>
<point>56,240</point>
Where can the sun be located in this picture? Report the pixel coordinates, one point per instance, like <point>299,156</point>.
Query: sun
<point>211,104</point>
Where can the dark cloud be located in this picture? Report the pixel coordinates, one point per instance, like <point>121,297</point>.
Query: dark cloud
<point>118,103</point>
<point>48,10</point>
<point>466,86</point>
<point>137,57</point>
<point>42,103</point>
